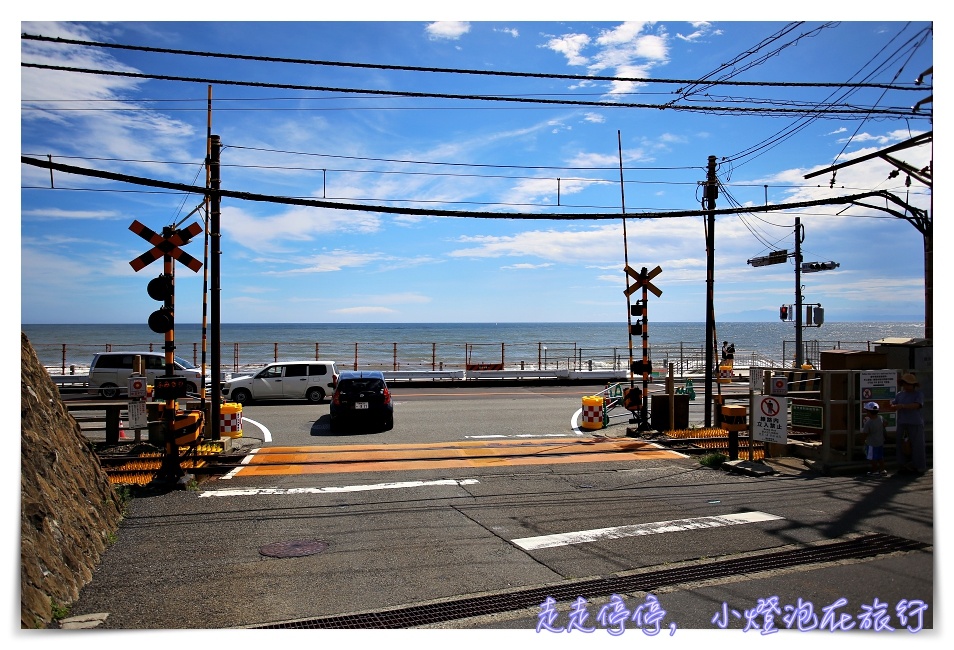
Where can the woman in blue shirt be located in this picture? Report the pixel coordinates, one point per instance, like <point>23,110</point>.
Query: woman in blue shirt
<point>908,403</point>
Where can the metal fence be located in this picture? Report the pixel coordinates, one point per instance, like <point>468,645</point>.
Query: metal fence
<point>688,358</point>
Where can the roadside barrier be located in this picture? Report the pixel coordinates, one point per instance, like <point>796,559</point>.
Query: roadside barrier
<point>230,420</point>
<point>592,416</point>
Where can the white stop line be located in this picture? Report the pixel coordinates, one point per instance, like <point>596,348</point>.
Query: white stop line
<point>649,528</point>
<point>246,492</point>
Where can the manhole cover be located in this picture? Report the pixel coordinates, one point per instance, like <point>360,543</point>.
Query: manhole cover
<point>296,548</point>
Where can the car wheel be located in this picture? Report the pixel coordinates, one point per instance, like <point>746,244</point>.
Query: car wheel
<point>334,425</point>
<point>192,388</point>
<point>109,391</point>
<point>241,396</point>
<point>315,395</point>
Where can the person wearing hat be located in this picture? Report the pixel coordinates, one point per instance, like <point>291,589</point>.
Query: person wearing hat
<point>908,403</point>
<point>873,429</point>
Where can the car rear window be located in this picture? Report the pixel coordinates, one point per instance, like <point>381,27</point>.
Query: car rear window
<point>370,384</point>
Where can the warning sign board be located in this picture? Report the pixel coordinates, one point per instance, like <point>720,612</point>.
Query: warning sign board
<point>138,416</point>
<point>137,387</point>
<point>778,385</point>
<point>770,420</point>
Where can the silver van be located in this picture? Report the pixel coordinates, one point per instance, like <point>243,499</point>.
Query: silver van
<point>109,372</point>
<point>309,380</point>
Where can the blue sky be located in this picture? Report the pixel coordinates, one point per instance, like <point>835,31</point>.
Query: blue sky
<point>520,160</point>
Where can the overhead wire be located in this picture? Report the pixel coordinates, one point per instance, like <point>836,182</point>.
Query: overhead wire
<point>758,149</point>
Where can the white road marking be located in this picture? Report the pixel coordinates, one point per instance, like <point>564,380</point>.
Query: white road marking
<point>573,422</point>
<point>518,435</point>
<point>245,492</point>
<point>266,434</point>
<point>649,528</point>
<point>245,461</point>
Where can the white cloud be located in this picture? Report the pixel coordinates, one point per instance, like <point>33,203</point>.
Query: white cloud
<point>526,266</point>
<point>271,233</point>
<point>447,30</point>
<point>570,46</point>
<point>324,262</point>
<point>59,213</point>
<point>702,29</point>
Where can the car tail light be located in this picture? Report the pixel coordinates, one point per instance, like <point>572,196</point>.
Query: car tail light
<point>387,395</point>
<point>336,398</point>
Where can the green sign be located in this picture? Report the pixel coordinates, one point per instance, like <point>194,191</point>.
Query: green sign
<point>811,417</point>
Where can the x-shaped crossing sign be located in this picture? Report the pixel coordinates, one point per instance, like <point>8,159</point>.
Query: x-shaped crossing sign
<point>642,279</point>
<point>165,246</point>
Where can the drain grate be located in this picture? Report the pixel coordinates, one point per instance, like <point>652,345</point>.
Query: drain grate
<point>428,614</point>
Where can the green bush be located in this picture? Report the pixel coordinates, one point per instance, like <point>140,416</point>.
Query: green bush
<point>713,460</point>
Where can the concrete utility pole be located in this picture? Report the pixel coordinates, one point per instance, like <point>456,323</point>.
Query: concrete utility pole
<point>709,203</point>
<point>799,237</point>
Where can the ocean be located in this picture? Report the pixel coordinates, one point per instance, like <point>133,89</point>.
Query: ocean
<point>423,346</point>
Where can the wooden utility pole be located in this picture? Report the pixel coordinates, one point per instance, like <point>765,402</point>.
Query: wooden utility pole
<point>215,273</point>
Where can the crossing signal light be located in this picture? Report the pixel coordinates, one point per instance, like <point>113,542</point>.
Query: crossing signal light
<point>161,288</point>
<point>783,312</point>
<point>161,320</point>
<point>638,311</point>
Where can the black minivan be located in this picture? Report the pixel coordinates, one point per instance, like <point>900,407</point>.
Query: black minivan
<point>362,398</point>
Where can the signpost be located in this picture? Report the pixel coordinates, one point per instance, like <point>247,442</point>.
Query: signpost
<point>169,387</point>
<point>879,386</point>
<point>771,420</point>
<point>641,280</point>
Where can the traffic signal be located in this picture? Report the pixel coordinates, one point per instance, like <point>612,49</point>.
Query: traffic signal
<point>161,288</point>
<point>819,315</point>
<point>638,311</point>
<point>813,267</point>
<point>783,312</point>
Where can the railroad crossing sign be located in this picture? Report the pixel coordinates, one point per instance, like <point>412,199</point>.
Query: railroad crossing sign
<point>165,246</point>
<point>642,279</point>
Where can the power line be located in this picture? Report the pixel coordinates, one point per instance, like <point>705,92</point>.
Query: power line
<point>495,73</point>
<point>816,112</point>
<point>851,199</point>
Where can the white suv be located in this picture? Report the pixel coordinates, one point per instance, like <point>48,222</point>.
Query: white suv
<point>109,372</point>
<point>310,380</point>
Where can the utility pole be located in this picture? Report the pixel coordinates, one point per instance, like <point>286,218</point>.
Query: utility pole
<point>799,236</point>
<point>709,201</point>
<point>215,273</point>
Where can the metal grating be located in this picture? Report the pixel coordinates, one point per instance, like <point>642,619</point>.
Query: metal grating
<point>427,614</point>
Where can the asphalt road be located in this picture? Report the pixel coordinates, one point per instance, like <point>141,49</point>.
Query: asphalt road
<point>292,550</point>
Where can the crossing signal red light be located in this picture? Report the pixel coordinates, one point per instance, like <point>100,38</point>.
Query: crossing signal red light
<point>161,288</point>
<point>161,320</point>
<point>783,312</point>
